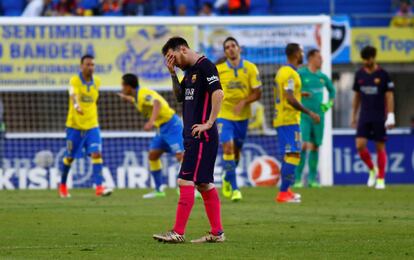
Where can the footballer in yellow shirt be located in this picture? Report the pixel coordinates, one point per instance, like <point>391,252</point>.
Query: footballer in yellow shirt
<point>169,137</point>
<point>287,118</point>
<point>242,86</point>
<point>82,126</point>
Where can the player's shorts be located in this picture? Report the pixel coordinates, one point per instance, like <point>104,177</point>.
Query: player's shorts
<point>232,130</point>
<point>289,139</point>
<point>311,132</point>
<point>372,130</point>
<point>80,141</point>
<point>169,137</point>
<point>199,160</point>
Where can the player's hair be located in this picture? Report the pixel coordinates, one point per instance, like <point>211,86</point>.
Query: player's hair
<point>311,53</point>
<point>131,80</point>
<point>291,49</point>
<point>209,5</point>
<point>230,38</point>
<point>368,52</point>
<point>174,43</point>
<point>86,56</point>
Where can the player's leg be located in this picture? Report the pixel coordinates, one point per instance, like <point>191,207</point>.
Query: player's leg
<point>204,179</point>
<point>93,144</point>
<point>186,200</point>
<point>73,143</point>
<point>226,130</point>
<point>305,130</point>
<point>380,137</point>
<point>239,136</point>
<point>316,141</point>
<point>155,167</point>
<point>289,141</point>
<point>184,207</point>
<point>364,131</point>
<point>313,165</point>
<point>213,210</point>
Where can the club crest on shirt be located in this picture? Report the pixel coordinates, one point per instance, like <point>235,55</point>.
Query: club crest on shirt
<point>194,78</point>
<point>322,81</point>
<point>377,81</point>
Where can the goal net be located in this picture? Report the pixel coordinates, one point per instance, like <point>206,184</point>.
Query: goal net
<point>38,57</point>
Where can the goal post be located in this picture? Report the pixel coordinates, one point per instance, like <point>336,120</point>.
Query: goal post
<point>34,92</point>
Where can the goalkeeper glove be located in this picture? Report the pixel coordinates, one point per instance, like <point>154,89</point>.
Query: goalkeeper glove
<point>325,107</point>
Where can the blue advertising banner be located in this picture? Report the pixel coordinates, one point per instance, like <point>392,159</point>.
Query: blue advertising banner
<point>32,163</point>
<point>349,169</point>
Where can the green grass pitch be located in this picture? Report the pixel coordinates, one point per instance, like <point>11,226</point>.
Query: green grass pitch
<point>331,223</point>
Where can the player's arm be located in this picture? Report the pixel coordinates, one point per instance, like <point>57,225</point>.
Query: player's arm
<point>332,92</point>
<point>74,96</point>
<point>154,115</point>
<point>356,102</point>
<point>216,100</point>
<point>389,99</point>
<point>290,97</point>
<point>255,94</point>
<point>177,89</point>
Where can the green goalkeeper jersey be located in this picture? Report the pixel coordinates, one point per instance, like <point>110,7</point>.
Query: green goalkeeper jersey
<point>314,83</point>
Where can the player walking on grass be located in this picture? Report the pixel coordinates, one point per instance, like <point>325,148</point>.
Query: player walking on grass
<point>241,86</point>
<point>82,126</point>
<point>313,84</point>
<point>201,94</point>
<point>287,119</point>
<point>374,93</point>
<point>159,114</point>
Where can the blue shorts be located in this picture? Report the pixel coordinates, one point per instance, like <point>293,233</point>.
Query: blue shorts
<point>232,130</point>
<point>77,141</point>
<point>289,139</point>
<point>169,137</point>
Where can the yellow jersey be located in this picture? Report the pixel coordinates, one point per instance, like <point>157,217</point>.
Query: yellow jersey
<point>237,84</point>
<point>144,102</point>
<point>287,78</point>
<point>88,93</point>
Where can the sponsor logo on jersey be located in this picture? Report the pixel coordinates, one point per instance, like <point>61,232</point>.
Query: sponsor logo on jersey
<point>212,79</point>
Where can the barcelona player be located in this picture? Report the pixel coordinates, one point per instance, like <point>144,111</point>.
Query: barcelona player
<point>160,115</point>
<point>374,94</point>
<point>201,94</point>
<point>242,86</point>
<point>313,84</point>
<point>288,110</point>
<point>82,126</point>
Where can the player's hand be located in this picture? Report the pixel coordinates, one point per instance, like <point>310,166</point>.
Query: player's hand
<point>353,123</point>
<point>306,94</point>
<point>315,117</point>
<point>126,98</point>
<point>390,122</point>
<point>170,62</point>
<point>78,109</point>
<point>198,129</point>
<point>239,107</point>
<point>326,106</point>
<point>148,126</point>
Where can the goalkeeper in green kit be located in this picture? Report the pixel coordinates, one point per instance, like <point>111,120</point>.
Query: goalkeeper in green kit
<point>313,84</point>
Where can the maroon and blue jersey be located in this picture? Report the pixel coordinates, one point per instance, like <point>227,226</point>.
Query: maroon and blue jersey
<point>199,82</point>
<point>372,88</point>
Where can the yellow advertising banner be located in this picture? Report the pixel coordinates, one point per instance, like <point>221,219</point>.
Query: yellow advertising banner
<point>47,56</point>
<point>393,44</point>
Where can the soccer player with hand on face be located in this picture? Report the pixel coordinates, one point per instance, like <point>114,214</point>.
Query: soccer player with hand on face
<point>201,95</point>
<point>374,94</point>
<point>287,119</point>
<point>160,115</point>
